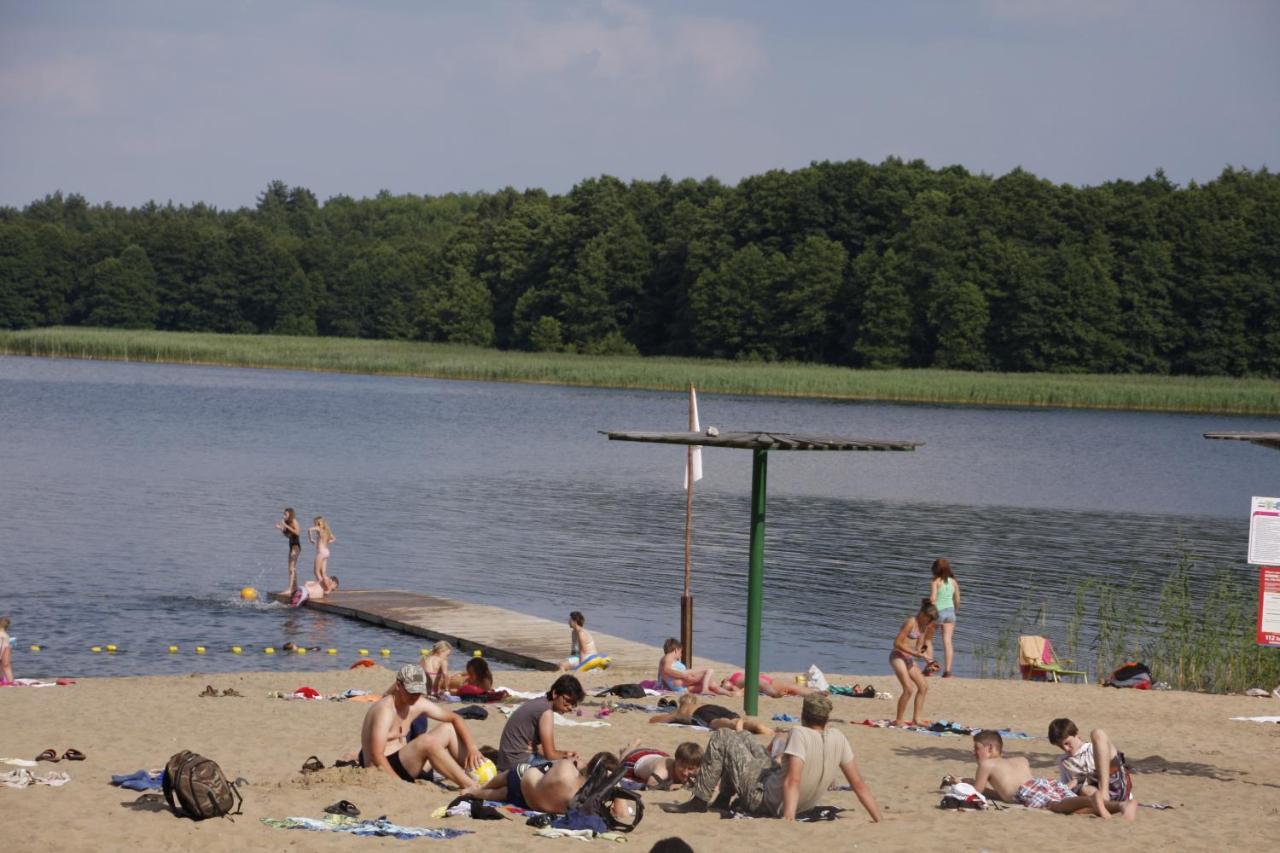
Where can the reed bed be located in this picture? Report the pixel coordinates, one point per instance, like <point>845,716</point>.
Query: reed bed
<point>1196,635</point>
<point>446,361</point>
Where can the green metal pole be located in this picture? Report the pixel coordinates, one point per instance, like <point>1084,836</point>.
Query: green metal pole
<point>755,582</point>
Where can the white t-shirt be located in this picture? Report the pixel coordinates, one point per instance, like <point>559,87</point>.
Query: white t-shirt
<point>1080,765</point>
<point>822,753</point>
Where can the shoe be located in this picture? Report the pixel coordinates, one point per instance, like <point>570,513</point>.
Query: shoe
<point>49,755</point>
<point>343,807</point>
<point>209,691</point>
<point>312,764</point>
<point>723,801</point>
<point>693,806</point>
<point>73,755</point>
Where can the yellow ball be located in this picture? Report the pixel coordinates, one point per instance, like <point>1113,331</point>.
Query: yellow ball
<point>333,651</point>
<point>172,649</point>
<point>249,594</point>
<point>111,647</point>
<point>199,650</point>
<point>268,651</point>
<point>235,650</point>
<point>484,772</point>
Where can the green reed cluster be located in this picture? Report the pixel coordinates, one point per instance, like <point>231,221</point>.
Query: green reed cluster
<point>1190,640</point>
<point>451,361</point>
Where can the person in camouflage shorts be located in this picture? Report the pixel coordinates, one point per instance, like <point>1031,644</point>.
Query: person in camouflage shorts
<point>738,764</point>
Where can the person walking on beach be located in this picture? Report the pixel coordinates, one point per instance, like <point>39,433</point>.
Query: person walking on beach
<point>945,595</point>
<point>320,535</point>
<point>914,640</point>
<point>6,665</point>
<point>290,529</point>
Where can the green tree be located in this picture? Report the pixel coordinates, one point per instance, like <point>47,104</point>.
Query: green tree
<point>122,292</point>
<point>884,317</point>
<point>959,314</point>
<point>803,317</point>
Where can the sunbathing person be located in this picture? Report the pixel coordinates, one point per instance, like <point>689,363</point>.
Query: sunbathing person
<point>732,686</point>
<point>1078,769</point>
<point>474,675</point>
<point>386,742</point>
<point>313,591</point>
<point>530,731</point>
<point>737,764</point>
<point>582,646</point>
<point>436,665</point>
<point>673,676</point>
<point>546,788</point>
<point>1011,780</point>
<point>655,769</point>
<point>689,713</point>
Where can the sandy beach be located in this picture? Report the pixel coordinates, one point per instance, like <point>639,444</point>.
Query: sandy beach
<point>1221,776</point>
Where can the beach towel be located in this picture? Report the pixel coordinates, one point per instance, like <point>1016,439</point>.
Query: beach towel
<point>1259,719</point>
<point>519,694</point>
<point>562,720</point>
<point>945,728</point>
<point>23,778</point>
<point>380,828</point>
<point>142,780</point>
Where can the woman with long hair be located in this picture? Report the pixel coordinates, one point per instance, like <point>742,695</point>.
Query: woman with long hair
<point>320,535</point>
<point>914,641</point>
<point>945,595</point>
<point>289,528</point>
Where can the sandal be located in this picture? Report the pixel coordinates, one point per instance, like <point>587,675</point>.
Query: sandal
<point>209,691</point>
<point>49,755</point>
<point>346,763</point>
<point>343,807</point>
<point>231,691</point>
<point>312,764</point>
<point>73,755</point>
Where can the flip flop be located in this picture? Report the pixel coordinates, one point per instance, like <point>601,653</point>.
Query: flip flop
<point>49,755</point>
<point>312,764</point>
<point>346,763</point>
<point>343,807</point>
<point>231,691</point>
<point>209,691</point>
<point>73,755</point>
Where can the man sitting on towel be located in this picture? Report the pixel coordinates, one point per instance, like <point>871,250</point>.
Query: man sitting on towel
<point>736,763</point>
<point>385,736</point>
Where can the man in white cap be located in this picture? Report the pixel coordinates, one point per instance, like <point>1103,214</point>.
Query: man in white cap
<point>386,742</point>
<point>735,763</point>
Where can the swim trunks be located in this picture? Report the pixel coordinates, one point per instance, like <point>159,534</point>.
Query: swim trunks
<point>394,760</point>
<point>705,715</point>
<point>635,756</point>
<point>1041,793</point>
<point>515,794</point>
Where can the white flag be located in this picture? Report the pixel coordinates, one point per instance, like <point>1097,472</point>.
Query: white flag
<point>695,452</point>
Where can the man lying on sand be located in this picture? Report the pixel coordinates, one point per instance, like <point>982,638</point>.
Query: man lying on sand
<point>384,737</point>
<point>548,788</point>
<point>689,713</point>
<point>1011,780</point>
<point>1078,768</point>
<point>736,763</point>
<point>655,769</point>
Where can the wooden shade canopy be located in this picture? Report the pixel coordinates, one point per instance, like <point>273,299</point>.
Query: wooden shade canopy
<point>1262,439</point>
<point>760,443</point>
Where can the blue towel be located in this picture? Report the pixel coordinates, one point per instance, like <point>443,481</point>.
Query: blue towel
<point>140,781</point>
<point>379,827</point>
<point>785,718</point>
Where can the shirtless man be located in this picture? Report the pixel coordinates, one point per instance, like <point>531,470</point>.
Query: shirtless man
<point>1011,780</point>
<point>582,646</point>
<point>546,789</point>
<point>383,742</point>
<point>656,770</point>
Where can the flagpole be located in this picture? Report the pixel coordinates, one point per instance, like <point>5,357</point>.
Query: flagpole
<point>686,600</point>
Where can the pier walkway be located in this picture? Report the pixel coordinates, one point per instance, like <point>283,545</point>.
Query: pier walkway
<point>500,634</point>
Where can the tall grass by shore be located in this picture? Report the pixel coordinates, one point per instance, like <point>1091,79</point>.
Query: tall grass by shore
<point>445,361</point>
<point>1190,639</point>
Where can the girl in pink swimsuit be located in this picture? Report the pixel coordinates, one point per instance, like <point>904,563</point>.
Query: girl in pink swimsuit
<point>320,535</point>
<point>914,640</point>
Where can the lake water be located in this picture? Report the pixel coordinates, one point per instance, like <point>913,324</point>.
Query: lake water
<point>136,500</point>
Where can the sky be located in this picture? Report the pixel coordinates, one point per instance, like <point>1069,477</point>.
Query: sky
<point>127,101</point>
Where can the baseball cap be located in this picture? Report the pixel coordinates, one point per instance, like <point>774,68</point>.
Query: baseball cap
<point>817,706</point>
<point>414,680</point>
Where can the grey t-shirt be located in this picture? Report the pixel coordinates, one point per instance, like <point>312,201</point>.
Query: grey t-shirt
<point>520,734</point>
<point>822,752</point>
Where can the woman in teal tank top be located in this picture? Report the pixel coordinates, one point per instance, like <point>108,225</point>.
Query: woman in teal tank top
<point>945,595</point>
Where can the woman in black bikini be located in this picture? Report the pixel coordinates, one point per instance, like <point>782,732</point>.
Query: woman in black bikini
<point>290,529</point>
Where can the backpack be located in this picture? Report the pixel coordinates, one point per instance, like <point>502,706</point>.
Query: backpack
<point>627,691</point>
<point>597,794</point>
<point>201,789</point>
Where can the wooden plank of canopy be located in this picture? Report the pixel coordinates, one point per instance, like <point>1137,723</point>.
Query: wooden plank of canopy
<point>760,443</point>
<point>1262,439</point>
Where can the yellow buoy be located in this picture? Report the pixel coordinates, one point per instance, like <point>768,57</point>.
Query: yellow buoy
<point>385,652</point>
<point>95,649</point>
<point>424,652</point>
<point>364,653</point>
<point>235,650</point>
<point>172,649</point>
<point>302,650</point>
<point>249,594</point>
<point>477,654</point>
<point>268,651</point>
<point>199,650</point>
<point>35,648</point>
<point>333,651</point>
<point>111,647</point>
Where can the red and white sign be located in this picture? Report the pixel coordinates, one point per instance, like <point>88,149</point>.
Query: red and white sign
<point>1269,606</point>
<point>1264,532</point>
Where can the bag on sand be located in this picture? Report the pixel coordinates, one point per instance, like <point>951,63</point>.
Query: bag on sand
<point>201,789</point>
<point>597,795</point>
<point>1131,674</point>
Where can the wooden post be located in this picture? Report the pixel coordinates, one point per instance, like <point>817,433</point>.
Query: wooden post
<point>686,600</point>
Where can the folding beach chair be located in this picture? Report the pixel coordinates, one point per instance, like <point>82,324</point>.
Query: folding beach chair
<point>1037,663</point>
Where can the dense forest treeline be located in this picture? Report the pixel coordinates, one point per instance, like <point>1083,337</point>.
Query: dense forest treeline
<point>847,263</point>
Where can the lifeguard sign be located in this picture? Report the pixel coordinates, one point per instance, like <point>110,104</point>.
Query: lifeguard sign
<point>1264,548</point>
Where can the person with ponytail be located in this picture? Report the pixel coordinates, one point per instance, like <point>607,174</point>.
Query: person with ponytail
<point>945,595</point>
<point>914,641</point>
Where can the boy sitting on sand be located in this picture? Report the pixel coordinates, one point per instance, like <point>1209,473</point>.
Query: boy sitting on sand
<point>1077,767</point>
<point>582,646</point>
<point>530,730</point>
<point>1011,780</point>
<point>654,769</point>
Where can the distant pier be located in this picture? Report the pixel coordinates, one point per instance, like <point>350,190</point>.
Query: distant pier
<point>500,634</point>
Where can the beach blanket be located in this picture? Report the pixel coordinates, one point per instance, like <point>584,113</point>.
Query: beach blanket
<point>944,728</point>
<point>23,778</point>
<point>520,694</point>
<point>142,780</point>
<point>1259,719</point>
<point>35,682</point>
<point>562,720</point>
<point>380,828</point>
